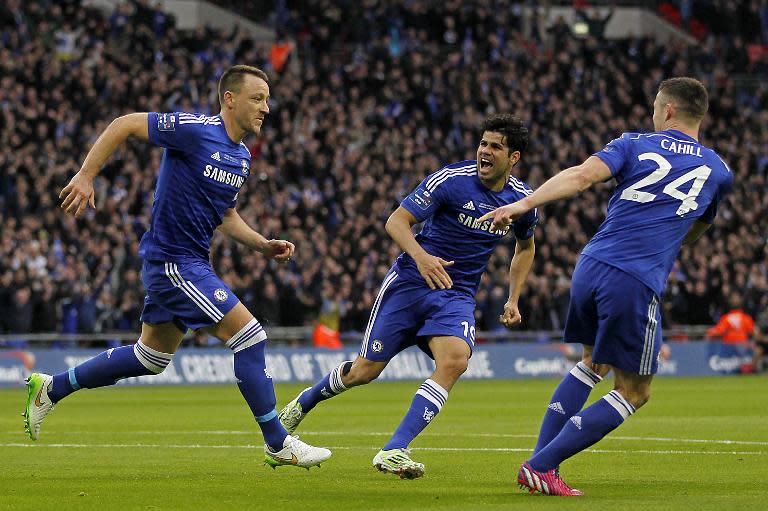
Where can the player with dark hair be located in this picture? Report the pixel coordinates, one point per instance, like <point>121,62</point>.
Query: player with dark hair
<point>667,193</point>
<point>428,296</point>
<point>204,166</point>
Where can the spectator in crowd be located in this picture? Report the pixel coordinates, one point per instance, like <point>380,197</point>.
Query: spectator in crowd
<point>373,97</point>
<point>735,326</point>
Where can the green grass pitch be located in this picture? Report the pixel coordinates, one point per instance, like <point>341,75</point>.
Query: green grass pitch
<point>700,444</point>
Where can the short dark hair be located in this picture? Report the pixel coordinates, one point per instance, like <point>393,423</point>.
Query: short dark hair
<point>511,127</point>
<point>689,94</point>
<point>233,77</point>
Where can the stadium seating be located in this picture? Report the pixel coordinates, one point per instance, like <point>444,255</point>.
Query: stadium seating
<point>361,113</point>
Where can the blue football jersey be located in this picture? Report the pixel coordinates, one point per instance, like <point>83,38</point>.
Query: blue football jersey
<point>449,202</point>
<point>201,173</point>
<point>665,182</point>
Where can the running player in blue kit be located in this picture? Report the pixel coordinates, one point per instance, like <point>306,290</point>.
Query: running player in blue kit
<point>667,193</point>
<point>428,296</point>
<point>203,168</point>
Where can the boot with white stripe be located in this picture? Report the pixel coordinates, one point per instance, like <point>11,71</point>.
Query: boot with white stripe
<point>548,483</point>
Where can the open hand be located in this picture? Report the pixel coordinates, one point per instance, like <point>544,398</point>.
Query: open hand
<point>432,268</point>
<point>77,195</point>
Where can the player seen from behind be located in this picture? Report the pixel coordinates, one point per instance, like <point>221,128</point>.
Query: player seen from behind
<point>668,187</point>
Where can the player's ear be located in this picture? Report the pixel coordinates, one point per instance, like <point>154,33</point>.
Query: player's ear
<point>515,157</point>
<point>229,99</point>
<point>670,110</point>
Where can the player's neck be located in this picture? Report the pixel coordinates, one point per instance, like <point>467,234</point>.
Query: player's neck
<point>495,186</point>
<point>235,133</point>
<point>691,131</point>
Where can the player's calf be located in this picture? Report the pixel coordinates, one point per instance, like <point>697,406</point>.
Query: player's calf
<point>569,397</point>
<point>109,367</point>
<point>360,372</point>
<point>331,385</point>
<point>254,381</point>
<point>106,368</point>
<point>425,406</point>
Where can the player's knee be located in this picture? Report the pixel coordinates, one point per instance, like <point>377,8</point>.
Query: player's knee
<point>600,369</point>
<point>637,397</point>
<point>454,366</point>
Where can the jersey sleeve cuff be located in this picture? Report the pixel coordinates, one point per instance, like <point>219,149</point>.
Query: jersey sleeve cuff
<point>152,123</point>
<point>607,161</point>
<point>414,210</point>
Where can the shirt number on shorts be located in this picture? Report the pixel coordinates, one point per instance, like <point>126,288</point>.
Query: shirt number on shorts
<point>469,331</point>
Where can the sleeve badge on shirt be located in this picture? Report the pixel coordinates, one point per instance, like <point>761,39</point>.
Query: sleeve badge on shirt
<point>422,198</point>
<point>166,122</point>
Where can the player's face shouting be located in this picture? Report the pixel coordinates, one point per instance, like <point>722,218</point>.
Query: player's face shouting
<point>493,159</point>
<point>251,104</point>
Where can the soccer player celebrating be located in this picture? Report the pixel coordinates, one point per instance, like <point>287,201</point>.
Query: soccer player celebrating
<point>203,168</point>
<point>668,189</point>
<point>427,297</point>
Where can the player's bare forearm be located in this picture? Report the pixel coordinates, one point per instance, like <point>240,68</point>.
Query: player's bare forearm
<point>78,193</point>
<point>569,182</point>
<point>431,267</point>
<point>234,227</point>
<point>116,133</point>
<point>399,229</point>
<point>520,267</point>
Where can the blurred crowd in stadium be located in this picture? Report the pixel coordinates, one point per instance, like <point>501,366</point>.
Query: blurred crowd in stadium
<point>368,98</point>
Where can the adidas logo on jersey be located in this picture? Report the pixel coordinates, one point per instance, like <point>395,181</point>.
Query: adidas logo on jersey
<point>469,205</point>
<point>576,421</point>
<point>216,156</point>
<point>557,407</point>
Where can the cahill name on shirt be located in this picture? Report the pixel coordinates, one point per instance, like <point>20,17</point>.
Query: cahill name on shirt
<point>680,147</point>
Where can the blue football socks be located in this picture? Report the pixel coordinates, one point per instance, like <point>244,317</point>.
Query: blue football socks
<point>583,430</point>
<point>426,404</point>
<point>568,399</point>
<point>108,367</point>
<point>329,386</point>
<point>255,383</point>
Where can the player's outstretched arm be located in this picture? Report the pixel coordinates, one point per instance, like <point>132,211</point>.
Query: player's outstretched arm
<point>567,183</point>
<point>430,267</point>
<point>694,233</point>
<point>519,268</point>
<point>234,227</point>
<point>79,192</point>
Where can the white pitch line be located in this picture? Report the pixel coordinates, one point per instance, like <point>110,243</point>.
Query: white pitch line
<point>349,448</point>
<point>453,435</point>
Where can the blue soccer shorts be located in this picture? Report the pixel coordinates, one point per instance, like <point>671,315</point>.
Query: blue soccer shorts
<point>189,294</point>
<point>616,314</point>
<point>408,313</point>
